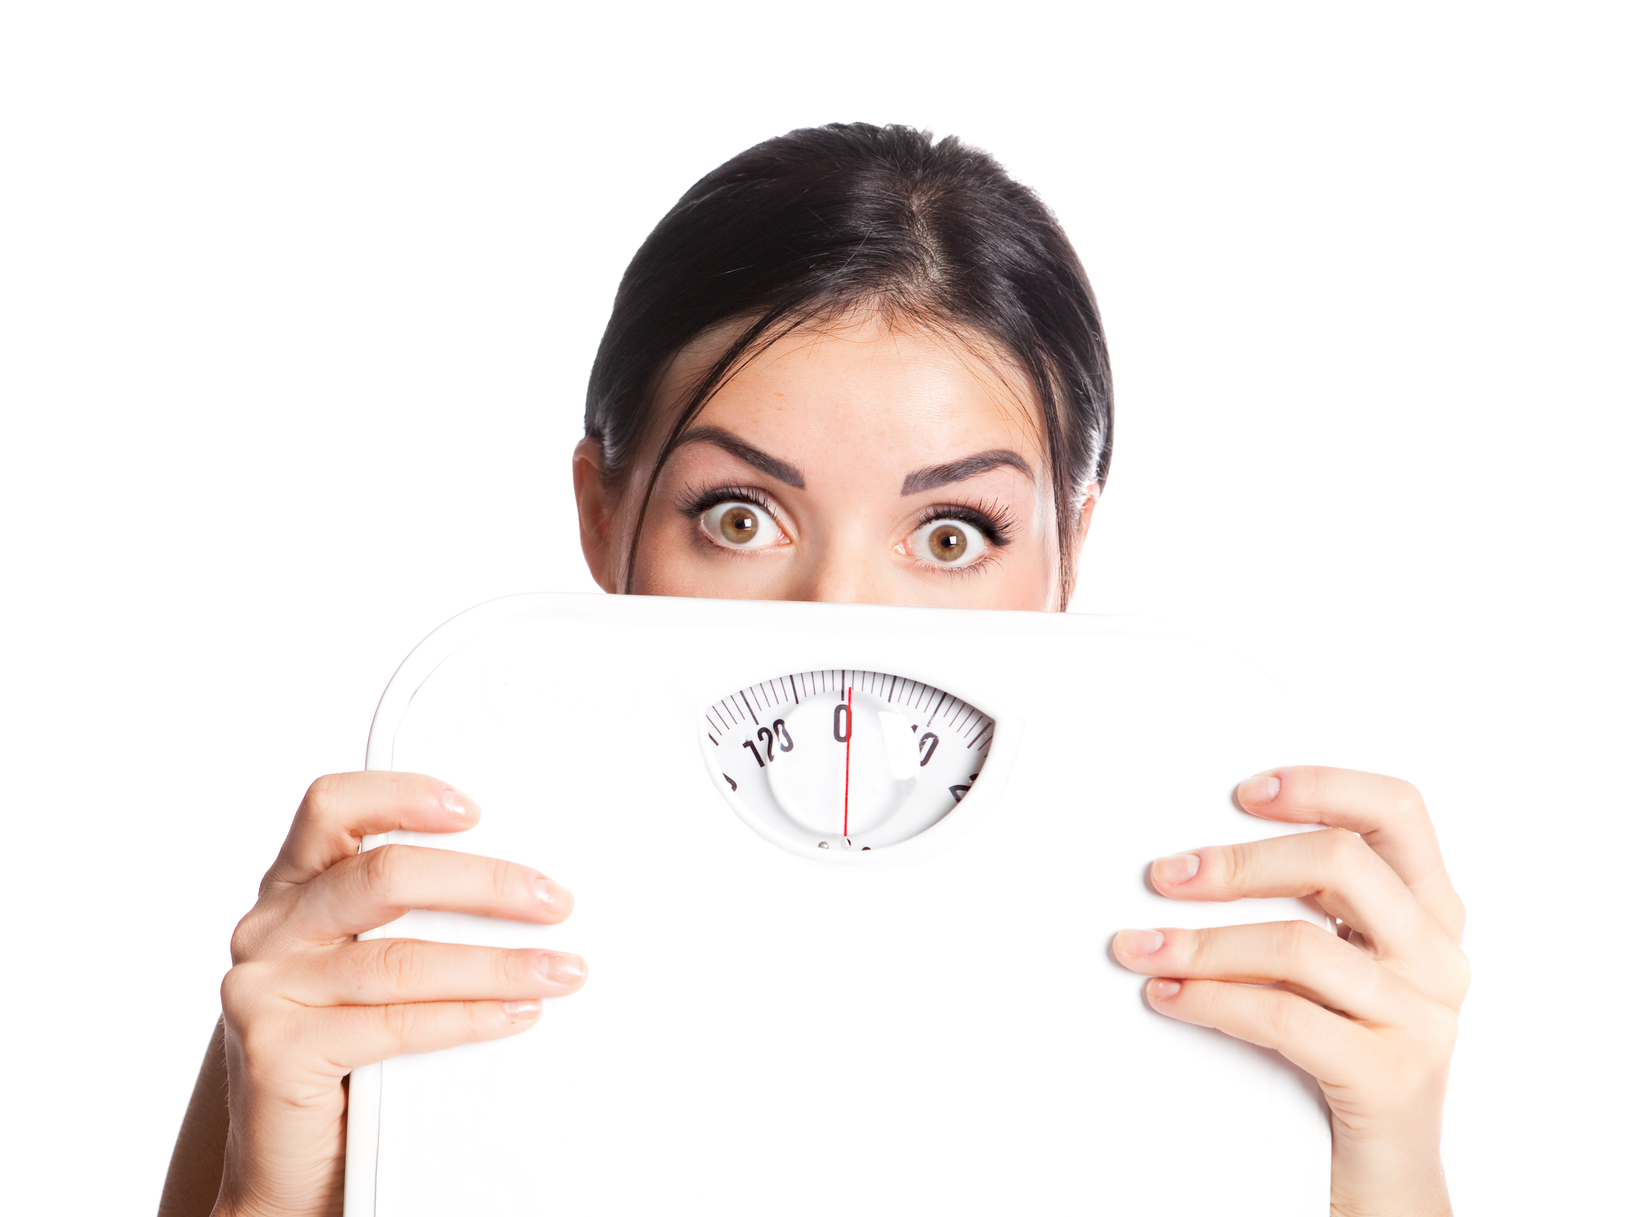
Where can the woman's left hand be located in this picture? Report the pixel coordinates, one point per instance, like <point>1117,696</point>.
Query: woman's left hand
<point>1370,1012</point>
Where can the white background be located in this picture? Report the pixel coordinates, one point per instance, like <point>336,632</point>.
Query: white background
<point>296,310</point>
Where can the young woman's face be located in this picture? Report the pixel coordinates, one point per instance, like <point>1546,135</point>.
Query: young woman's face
<point>853,463</point>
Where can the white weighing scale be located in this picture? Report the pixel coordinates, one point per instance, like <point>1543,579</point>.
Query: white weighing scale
<point>846,878</point>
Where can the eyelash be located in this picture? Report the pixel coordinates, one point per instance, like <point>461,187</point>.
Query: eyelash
<point>694,501</point>
<point>993,521</point>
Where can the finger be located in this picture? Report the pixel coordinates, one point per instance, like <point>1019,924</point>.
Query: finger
<point>375,887</point>
<point>342,809</point>
<point>1387,812</point>
<point>1329,1047</point>
<point>1301,956</point>
<point>350,1037</point>
<point>392,971</point>
<point>1348,879</point>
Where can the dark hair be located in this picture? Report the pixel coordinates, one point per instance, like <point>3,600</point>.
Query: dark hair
<point>826,219</point>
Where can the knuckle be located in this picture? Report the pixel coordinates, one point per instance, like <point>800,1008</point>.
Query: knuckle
<point>1304,784</point>
<point>1296,944</point>
<point>1460,976</point>
<point>399,966</point>
<point>1406,800</point>
<point>397,1023</point>
<point>478,1017</point>
<point>513,970</point>
<point>241,986</point>
<point>257,933</point>
<point>1340,848</point>
<point>382,869</point>
<point>503,880</point>
<point>1285,1019</point>
<point>1237,863</point>
<point>323,796</point>
<point>243,942</point>
<point>1213,1002</point>
<point>260,1033</point>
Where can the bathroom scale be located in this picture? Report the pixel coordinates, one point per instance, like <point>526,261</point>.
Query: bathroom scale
<point>846,878</point>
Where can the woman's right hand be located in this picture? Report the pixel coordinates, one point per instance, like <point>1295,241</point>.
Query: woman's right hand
<point>305,1003</point>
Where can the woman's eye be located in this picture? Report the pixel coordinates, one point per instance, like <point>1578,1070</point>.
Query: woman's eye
<point>737,525</point>
<point>950,543</point>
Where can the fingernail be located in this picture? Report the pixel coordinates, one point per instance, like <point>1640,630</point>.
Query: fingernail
<point>1137,942</point>
<point>457,803</point>
<point>558,968</point>
<point>521,1009</point>
<point>1163,989</point>
<point>550,894</point>
<point>1177,868</point>
<point>1253,792</point>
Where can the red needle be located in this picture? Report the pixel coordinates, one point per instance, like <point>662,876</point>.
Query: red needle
<point>849,730</point>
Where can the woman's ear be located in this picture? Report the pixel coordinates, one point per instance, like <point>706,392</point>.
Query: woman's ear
<point>597,513</point>
<point>1085,514</point>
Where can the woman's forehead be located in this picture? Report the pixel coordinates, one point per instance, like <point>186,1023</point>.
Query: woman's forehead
<point>901,391</point>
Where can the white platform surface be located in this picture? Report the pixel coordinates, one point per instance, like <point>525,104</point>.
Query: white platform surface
<point>940,1032</point>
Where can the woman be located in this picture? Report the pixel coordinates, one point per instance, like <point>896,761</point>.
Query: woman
<point>850,365</point>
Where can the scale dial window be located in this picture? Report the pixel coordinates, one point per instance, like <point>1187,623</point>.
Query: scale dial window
<point>845,761</point>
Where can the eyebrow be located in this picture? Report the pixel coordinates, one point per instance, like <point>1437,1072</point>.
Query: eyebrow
<point>746,453</point>
<point>968,467</point>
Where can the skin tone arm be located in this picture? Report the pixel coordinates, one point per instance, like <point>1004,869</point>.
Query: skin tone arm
<point>195,1174</point>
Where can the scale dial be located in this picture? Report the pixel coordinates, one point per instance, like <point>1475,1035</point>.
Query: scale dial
<point>843,760</point>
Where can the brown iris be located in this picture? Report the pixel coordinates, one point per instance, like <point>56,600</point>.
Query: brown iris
<point>739,525</point>
<point>948,543</point>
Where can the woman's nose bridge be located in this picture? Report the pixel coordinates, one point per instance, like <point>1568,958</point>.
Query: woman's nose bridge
<point>845,570</point>
<point>836,587</point>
